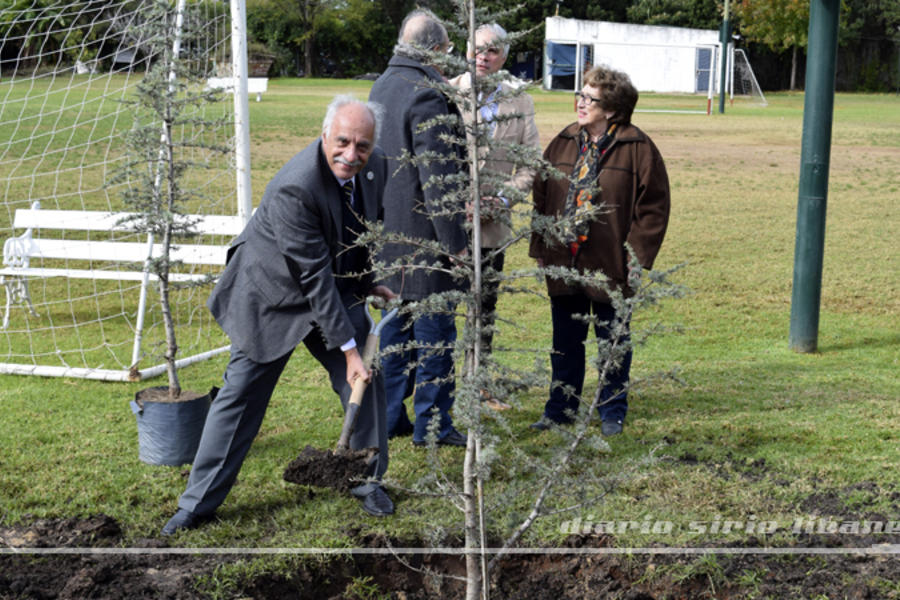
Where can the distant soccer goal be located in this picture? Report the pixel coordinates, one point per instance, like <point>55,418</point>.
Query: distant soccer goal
<point>77,303</point>
<point>743,82</point>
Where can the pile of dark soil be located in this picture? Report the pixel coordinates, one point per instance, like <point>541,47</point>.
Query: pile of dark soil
<point>336,470</point>
<point>99,569</point>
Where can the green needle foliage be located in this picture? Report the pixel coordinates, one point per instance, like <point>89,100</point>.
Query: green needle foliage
<point>565,476</point>
<point>166,144</point>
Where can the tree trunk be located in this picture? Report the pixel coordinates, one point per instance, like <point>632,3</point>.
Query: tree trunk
<point>794,69</point>
<point>473,539</point>
<point>165,267</point>
<point>307,57</point>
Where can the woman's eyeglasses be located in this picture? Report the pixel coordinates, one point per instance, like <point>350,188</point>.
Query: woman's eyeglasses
<point>582,97</point>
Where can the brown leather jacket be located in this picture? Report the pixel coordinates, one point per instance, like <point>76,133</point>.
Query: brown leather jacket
<point>634,189</point>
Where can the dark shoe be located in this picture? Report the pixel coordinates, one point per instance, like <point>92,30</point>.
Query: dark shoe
<point>184,520</point>
<point>454,438</point>
<point>401,430</point>
<point>612,427</point>
<point>543,424</point>
<point>376,502</point>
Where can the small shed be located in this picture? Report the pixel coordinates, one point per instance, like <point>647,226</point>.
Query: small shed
<point>657,58</point>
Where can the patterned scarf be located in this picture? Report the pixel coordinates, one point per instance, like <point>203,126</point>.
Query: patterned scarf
<point>583,191</point>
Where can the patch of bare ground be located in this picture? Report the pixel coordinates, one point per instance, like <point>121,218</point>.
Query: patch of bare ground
<point>585,571</point>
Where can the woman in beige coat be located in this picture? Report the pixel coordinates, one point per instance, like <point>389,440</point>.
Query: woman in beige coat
<point>501,177</point>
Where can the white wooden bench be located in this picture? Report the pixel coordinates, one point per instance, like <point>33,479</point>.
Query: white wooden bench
<point>99,255</point>
<point>255,85</point>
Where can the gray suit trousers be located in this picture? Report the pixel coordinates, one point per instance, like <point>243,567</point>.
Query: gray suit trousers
<point>236,415</point>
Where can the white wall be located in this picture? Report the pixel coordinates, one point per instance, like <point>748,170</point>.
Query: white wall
<point>658,59</point>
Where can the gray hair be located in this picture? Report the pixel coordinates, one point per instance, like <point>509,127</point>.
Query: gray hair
<point>420,32</point>
<point>342,100</point>
<point>499,37</point>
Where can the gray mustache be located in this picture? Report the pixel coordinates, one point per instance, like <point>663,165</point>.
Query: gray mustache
<point>349,163</point>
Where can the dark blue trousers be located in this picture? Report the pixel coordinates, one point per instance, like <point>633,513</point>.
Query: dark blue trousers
<point>568,361</point>
<point>425,374</point>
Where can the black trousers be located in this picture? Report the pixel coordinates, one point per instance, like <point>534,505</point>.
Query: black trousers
<point>568,360</point>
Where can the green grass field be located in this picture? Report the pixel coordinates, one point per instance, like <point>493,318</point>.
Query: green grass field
<point>753,433</point>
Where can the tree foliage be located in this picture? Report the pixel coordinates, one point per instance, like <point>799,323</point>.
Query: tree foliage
<point>502,492</point>
<point>779,24</point>
<point>696,14</point>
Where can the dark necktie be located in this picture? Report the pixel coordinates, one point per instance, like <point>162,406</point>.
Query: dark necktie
<point>353,257</point>
<point>347,192</point>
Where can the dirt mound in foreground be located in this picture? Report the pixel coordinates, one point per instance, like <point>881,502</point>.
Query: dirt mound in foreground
<point>73,558</point>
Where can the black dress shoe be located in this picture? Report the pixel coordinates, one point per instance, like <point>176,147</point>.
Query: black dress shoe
<point>611,427</point>
<point>183,520</point>
<point>454,438</point>
<point>375,502</point>
<point>544,424</point>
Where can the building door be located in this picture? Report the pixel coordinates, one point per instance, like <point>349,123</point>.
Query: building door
<point>704,68</point>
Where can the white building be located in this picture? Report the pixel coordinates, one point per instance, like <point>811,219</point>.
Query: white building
<point>658,59</point>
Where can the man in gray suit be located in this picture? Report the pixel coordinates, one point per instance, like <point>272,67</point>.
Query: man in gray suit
<point>415,208</point>
<point>294,275</point>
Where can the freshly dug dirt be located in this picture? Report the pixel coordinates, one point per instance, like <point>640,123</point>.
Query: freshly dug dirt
<point>323,468</point>
<point>99,568</point>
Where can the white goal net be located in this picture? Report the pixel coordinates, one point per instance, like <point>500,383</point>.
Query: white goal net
<point>743,80</point>
<point>65,68</point>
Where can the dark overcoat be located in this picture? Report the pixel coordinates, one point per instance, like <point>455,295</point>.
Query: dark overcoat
<point>414,203</point>
<point>634,191</point>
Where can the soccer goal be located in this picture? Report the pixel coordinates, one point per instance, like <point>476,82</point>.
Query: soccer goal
<point>78,299</point>
<point>743,82</point>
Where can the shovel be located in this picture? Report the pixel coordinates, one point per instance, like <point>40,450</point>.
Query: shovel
<point>360,385</point>
<point>343,467</point>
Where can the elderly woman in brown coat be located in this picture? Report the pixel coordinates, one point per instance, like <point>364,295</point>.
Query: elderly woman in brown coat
<point>613,166</point>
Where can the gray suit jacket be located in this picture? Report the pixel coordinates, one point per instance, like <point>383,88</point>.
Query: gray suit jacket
<point>279,281</point>
<point>412,207</point>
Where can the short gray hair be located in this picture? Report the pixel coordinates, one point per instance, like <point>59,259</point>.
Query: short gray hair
<point>499,36</point>
<point>420,32</point>
<point>342,100</point>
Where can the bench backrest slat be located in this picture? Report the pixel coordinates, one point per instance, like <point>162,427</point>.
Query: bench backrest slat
<point>87,220</point>
<point>193,254</point>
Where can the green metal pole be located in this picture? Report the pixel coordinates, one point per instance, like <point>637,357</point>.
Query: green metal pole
<point>818,111</point>
<point>725,37</point>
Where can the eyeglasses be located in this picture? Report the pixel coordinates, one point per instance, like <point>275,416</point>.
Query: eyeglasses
<point>582,97</point>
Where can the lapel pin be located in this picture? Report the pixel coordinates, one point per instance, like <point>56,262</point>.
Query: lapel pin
<point>370,175</point>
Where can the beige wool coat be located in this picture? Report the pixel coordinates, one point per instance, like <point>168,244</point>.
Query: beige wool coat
<point>520,130</point>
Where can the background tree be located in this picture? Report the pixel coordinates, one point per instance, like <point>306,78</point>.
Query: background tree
<point>325,37</point>
<point>697,14</point>
<point>289,28</point>
<point>779,24</point>
<point>869,37</point>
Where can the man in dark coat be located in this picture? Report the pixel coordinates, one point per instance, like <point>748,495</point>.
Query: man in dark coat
<point>416,206</point>
<point>284,283</point>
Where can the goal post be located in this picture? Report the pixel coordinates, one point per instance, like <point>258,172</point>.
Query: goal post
<point>742,82</point>
<point>66,68</point>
